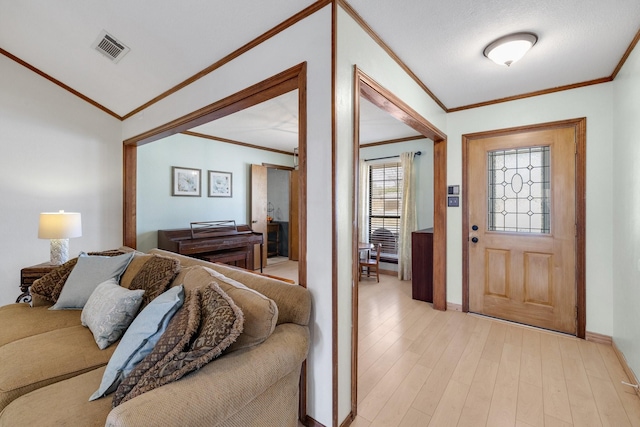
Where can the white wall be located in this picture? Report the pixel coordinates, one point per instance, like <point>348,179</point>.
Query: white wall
<point>423,165</point>
<point>626,211</point>
<point>355,47</point>
<point>157,209</point>
<point>592,102</point>
<point>310,41</point>
<point>57,152</point>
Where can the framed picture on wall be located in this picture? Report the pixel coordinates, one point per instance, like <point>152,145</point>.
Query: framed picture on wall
<point>220,184</point>
<point>185,181</point>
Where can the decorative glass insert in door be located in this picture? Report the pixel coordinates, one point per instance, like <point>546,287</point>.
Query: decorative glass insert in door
<point>519,190</point>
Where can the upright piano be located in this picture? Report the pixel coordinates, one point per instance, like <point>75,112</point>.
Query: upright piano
<point>215,241</point>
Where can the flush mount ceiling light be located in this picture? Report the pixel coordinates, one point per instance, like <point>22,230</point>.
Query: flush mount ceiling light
<point>509,49</point>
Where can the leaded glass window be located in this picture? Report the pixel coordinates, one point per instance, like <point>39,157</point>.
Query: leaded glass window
<point>519,192</point>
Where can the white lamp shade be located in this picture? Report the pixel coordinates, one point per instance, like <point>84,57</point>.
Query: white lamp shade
<point>509,49</point>
<point>59,225</point>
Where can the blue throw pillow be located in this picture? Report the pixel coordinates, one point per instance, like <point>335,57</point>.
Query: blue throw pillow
<point>142,335</point>
<point>85,277</point>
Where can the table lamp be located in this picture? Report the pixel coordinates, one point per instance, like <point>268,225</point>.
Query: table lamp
<point>59,227</point>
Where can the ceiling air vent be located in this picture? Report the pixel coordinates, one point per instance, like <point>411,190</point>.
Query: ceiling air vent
<point>110,47</point>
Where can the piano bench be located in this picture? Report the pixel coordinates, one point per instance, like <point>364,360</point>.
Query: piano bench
<point>229,257</point>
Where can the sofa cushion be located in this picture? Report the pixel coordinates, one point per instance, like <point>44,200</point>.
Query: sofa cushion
<point>48,358</point>
<point>109,311</point>
<point>294,302</point>
<point>140,338</point>
<point>88,273</point>
<point>60,404</point>
<point>155,276</point>
<point>260,312</point>
<point>21,321</point>
<point>219,325</point>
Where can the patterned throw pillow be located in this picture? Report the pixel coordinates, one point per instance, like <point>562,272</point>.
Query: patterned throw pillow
<point>208,322</point>
<point>155,276</point>
<point>109,311</point>
<point>49,286</point>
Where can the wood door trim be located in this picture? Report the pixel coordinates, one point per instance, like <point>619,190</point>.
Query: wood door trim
<point>368,88</point>
<point>130,196</point>
<point>389,102</point>
<point>392,141</point>
<point>272,87</point>
<point>580,126</point>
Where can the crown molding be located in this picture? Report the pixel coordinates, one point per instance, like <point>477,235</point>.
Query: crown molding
<point>59,83</point>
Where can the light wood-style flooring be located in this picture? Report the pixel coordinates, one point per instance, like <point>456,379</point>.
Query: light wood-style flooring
<point>421,367</point>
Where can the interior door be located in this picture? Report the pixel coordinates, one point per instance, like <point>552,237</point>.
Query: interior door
<point>294,216</point>
<point>259,211</point>
<point>522,242</point>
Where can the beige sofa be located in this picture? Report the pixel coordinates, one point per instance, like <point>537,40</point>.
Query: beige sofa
<point>50,365</point>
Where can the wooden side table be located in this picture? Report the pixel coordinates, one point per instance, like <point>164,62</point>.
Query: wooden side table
<point>28,275</point>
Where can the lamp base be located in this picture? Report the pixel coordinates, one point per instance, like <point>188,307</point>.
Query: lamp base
<point>59,251</point>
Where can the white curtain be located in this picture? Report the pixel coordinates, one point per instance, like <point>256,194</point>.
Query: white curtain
<point>363,203</point>
<point>408,220</point>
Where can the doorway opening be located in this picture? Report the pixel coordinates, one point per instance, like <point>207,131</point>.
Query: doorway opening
<point>373,92</point>
<point>274,213</point>
<point>289,80</point>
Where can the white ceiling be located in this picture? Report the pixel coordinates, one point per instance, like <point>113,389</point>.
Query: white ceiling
<point>377,125</point>
<point>170,41</point>
<point>273,124</point>
<point>440,41</point>
<point>443,42</point>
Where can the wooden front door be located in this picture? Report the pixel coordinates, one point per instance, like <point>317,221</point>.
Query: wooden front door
<point>259,211</point>
<point>521,193</point>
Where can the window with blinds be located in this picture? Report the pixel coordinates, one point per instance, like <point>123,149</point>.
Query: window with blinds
<point>385,207</point>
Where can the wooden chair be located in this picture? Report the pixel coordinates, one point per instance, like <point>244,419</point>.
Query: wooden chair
<point>370,263</point>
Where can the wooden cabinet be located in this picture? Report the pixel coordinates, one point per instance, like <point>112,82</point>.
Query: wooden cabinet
<point>273,239</point>
<point>422,265</point>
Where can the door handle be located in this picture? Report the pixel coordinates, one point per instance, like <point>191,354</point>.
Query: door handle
<point>254,222</point>
<point>474,239</point>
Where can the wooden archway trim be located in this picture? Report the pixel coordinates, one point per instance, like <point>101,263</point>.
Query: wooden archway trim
<point>369,89</point>
<point>387,101</point>
<point>279,84</point>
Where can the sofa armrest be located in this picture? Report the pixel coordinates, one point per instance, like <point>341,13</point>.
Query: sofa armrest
<point>221,388</point>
